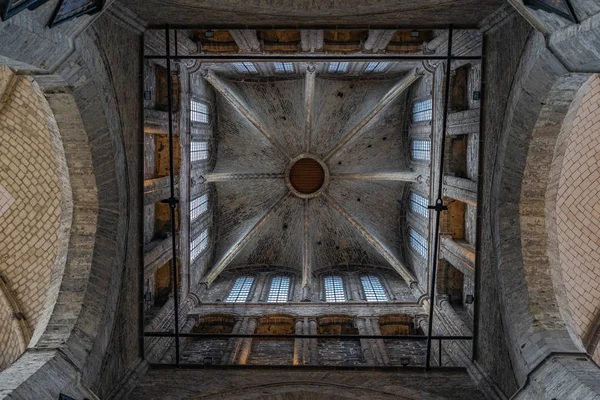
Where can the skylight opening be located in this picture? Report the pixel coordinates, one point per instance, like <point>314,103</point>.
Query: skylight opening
<point>421,150</point>
<point>338,67</point>
<point>245,67</point>
<point>373,289</point>
<point>334,289</point>
<point>418,243</point>
<point>241,290</point>
<point>418,205</point>
<point>422,111</point>
<point>280,289</point>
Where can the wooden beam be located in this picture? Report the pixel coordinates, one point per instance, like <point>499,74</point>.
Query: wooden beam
<point>401,176</point>
<point>309,95</point>
<point>226,177</point>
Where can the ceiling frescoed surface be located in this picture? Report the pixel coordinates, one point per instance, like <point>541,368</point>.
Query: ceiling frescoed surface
<point>310,171</point>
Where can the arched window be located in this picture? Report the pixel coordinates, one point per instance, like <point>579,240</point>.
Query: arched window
<point>284,67</point>
<point>422,111</point>
<point>245,67</point>
<point>418,243</point>
<point>334,289</point>
<point>418,205</point>
<point>199,244</point>
<point>240,290</point>
<point>199,150</point>
<point>376,67</point>
<point>199,112</point>
<point>337,67</point>
<point>280,289</point>
<point>373,289</point>
<point>198,206</point>
<point>420,150</point>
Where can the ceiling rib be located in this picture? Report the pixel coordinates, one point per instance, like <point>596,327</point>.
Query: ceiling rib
<point>232,97</point>
<point>401,176</point>
<point>306,255</point>
<point>226,177</point>
<point>241,243</point>
<point>309,95</point>
<point>398,265</point>
<point>394,92</point>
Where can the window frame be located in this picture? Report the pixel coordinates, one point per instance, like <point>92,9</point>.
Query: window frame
<point>269,287</point>
<point>337,70</point>
<point>250,292</point>
<point>415,151</point>
<point>201,104</point>
<point>202,242</point>
<point>384,290</point>
<point>414,206</point>
<point>284,69</point>
<point>427,111</point>
<point>342,285</point>
<point>202,205</point>
<point>245,67</point>
<point>204,154</point>
<point>376,69</point>
<point>424,244</point>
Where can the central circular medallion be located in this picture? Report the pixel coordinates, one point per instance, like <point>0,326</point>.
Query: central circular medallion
<point>306,176</point>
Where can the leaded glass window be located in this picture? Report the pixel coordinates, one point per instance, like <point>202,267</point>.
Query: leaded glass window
<point>376,67</point>
<point>198,150</point>
<point>245,67</point>
<point>334,289</point>
<point>418,205</point>
<point>373,288</point>
<point>421,150</point>
<point>418,243</point>
<point>198,206</point>
<point>280,289</point>
<point>241,289</point>
<point>422,110</point>
<point>199,112</point>
<point>284,67</point>
<point>199,244</point>
<point>338,67</point>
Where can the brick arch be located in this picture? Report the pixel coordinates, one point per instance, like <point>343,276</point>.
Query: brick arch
<point>35,212</point>
<point>577,157</point>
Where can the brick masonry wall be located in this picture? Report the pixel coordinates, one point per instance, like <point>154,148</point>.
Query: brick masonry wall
<point>271,352</point>
<point>33,237</point>
<point>578,212</point>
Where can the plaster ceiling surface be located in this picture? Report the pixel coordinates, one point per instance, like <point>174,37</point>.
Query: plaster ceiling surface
<point>350,220</point>
<point>309,12</point>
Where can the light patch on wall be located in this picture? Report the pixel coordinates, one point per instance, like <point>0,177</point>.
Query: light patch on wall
<point>5,200</point>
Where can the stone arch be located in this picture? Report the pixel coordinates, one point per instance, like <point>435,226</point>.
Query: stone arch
<point>73,351</point>
<point>536,331</point>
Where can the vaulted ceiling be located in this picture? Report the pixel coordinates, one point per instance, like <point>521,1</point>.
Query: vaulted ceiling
<point>308,12</point>
<point>354,127</point>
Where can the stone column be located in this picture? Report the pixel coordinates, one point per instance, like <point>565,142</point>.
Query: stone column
<point>187,327</point>
<point>379,344</point>
<point>246,345</point>
<point>313,347</point>
<point>365,344</point>
<point>232,344</point>
<point>299,343</point>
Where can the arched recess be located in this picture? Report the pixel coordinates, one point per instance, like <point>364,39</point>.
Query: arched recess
<point>75,349</point>
<point>538,336</point>
<point>35,213</point>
